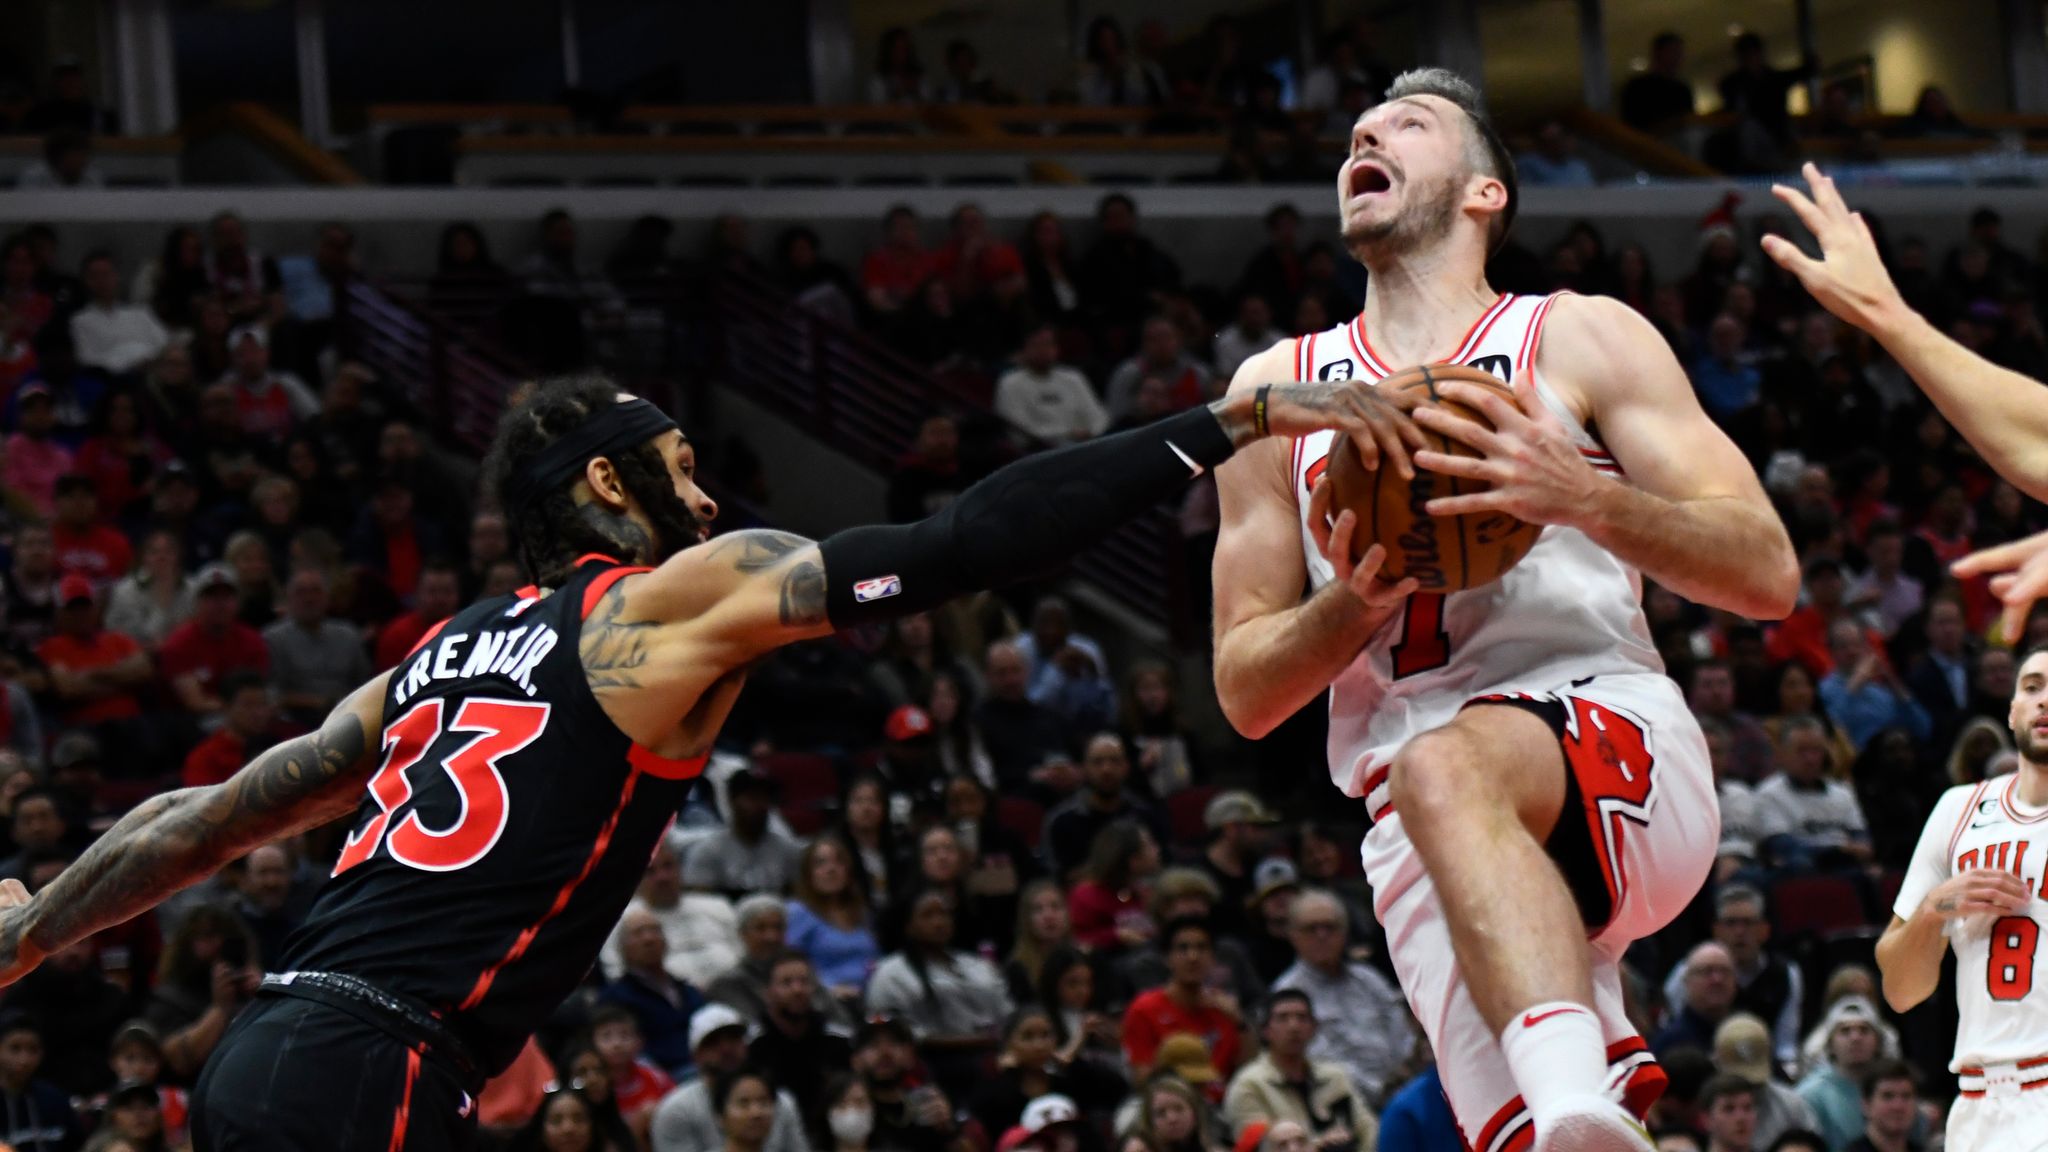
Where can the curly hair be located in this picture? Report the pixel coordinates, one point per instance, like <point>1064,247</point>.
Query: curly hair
<point>556,529</point>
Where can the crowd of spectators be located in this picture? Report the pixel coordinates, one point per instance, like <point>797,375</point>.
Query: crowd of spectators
<point>969,874</point>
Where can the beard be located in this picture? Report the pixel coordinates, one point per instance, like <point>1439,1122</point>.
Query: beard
<point>1425,217</point>
<point>2031,749</point>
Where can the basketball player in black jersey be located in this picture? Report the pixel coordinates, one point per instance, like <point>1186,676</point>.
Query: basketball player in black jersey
<point>507,781</point>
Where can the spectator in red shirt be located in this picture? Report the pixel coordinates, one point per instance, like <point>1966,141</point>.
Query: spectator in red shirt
<point>245,730</point>
<point>122,454</point>
<point>1107,907</point>
<point>1185,1004</point>
<point>94,673</point>
<point>637,1085</point>
<point>86,544</point>
<point>977,264</point>
<point>1803,636</point>
<point>199,654</point>
<point>892,273</point>
<point>391,540</point>
<point>34,458</point>
<point>270,403</point>
<point>437,597</point>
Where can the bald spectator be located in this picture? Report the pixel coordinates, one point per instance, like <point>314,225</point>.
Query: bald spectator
<point>660,1003</point>
<point>1363,1024</point>
<point>1104,798</point>
<point>1709,996</point>
<point>1025,740</point>
<point>699,930</point>
<point>268,904</point>
<point>1768,985</point>
<point>315,660</point>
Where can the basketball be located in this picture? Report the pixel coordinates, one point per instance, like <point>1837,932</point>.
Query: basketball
<point>1444,554</point>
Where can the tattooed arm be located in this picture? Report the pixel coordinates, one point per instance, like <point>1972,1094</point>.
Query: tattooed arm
<point>174,840</point>
<point>744,594</point>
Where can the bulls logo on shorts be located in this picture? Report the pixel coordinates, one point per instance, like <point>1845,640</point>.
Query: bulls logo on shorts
<point>1501,366</point>
<point>1335,370</point>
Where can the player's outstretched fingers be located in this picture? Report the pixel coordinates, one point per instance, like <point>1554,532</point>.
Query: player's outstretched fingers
<point>1505,415</point>
<point>1788,256</point>
<point>1809,213</point>
<point>1471,433</point>
<point>1468,467</point>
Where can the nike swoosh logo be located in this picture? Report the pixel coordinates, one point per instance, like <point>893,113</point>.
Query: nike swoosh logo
<point>1194,469</point>
<point>1531,1020</point>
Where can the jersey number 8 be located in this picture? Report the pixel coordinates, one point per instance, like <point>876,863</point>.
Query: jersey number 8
<point>502,727</point>
<point>2012,957</point>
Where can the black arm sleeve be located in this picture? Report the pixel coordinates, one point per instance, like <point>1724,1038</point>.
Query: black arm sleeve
<point>1022,522</point>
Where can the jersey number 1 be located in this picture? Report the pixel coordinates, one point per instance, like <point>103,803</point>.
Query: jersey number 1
<point>1424,645</point>
<point>2012,957</point>
<point>502,727</point>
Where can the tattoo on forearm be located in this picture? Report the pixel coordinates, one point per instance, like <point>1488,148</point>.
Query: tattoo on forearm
<point>803,595</point>
<point>177,838</point>
<point>1945,905</point>
<point>612,649</point>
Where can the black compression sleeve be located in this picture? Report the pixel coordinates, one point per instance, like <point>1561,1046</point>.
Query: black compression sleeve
<point>1024,521</point>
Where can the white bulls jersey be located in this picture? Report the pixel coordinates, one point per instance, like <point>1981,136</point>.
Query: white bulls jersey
<point>1569,610</point>
<point>2003,1000</point>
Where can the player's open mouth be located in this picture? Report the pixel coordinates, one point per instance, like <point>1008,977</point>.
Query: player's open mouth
<point>1367,179</point>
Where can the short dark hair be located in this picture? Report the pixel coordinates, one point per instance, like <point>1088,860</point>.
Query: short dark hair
<point>1180,924</point>
<point>1447,85</point>
<point>1281,211</point>
<point>1800,1138</point>
<point>1287,996</point>
<point>552,532</point>
<point>239,681</point>
<point>1725,1085</point>
<point>1103,204</point>
<point>38,792</point>
<point>1887,1070</point>
<point>722,1086</point>
<point>605,1014</point>
<point>787,956</point>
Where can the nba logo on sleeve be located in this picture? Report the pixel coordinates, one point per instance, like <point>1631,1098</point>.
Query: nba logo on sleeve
<point>879,588</point>
<point>1338,370</point>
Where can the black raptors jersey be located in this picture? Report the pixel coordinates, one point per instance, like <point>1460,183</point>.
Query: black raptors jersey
<point>505,829</point>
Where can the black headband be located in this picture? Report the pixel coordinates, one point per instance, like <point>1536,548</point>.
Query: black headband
<point>622,425</point>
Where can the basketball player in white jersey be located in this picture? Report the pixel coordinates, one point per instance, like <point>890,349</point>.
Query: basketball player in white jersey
<point>1975,886</point>
<point>1540,794</point>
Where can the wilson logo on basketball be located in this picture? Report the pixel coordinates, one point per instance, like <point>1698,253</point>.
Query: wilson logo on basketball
<point>1421,554</point>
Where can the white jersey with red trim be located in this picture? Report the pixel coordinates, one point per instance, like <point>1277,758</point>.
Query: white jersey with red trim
<point>1569,610</point>
<point>2003,1002</point>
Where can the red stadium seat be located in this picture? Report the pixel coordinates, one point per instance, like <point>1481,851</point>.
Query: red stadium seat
<point>1815,906</point>
<point>1184,813</point>
<point>1022,818</point>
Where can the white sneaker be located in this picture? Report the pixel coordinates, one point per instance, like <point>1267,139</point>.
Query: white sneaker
<point>1593,1124</point>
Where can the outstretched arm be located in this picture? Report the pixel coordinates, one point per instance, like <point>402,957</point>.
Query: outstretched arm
<point>174,840</point>
<point>742,595</point>
<point>2003,414</point>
